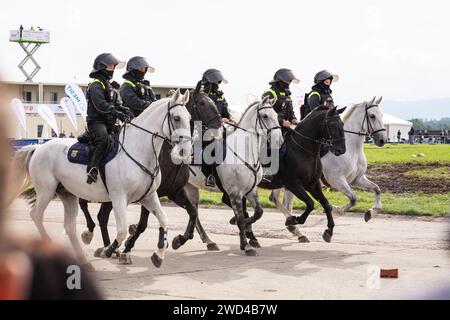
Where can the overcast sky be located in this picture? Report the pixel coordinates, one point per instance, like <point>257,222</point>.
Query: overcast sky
<point>398,49</point>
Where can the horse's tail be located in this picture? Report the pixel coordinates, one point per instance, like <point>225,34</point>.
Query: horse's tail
<point>20,179</point>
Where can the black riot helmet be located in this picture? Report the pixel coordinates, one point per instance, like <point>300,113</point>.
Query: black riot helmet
<point>213,76</point>
<point>103,60</point>
<point>324,75</point>
<point>139,62</point>
<point>285,75</point>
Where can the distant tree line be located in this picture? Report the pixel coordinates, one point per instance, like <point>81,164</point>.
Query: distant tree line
<point>431,124</point>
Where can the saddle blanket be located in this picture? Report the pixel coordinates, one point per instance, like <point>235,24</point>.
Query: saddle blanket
<point>78,152</point>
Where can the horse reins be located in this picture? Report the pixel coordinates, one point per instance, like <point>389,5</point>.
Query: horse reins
<point>155,173</point>
<point>255,168</point>
<point>323,141</point>
<point>370,130</point>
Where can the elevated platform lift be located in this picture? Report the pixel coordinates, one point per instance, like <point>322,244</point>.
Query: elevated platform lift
<point>30,41</point>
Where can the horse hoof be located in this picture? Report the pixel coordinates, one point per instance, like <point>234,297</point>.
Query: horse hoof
<point>116,254</point>
<point>326,236</point>
<point>132,229</point>
<point>254,244</point>
<point>251,253</point>
<point>88,267</point>
<point>87,236</point>
<point>156,260</point>
<point>99,253</point>
<point>336,211</point>
<point>291,221</point>
<point>303,239</point>
<point>125,258</point>
<point>233,221</point>
<point>176,242</point>
<point>368,215</point>
<point>212,247</point>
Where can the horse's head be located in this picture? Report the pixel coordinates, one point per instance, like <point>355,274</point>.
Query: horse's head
<point>267,122</point>
<point>333,131</point>
<point>203,109</point>
<point>374,122</point>
<point>177,127</point>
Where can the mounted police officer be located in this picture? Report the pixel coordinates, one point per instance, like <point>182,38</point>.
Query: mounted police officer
<point>280,90</point>
<point>211,80</point>
<point>103,109</point>
<point>136,92</point>
<point>320,93</point>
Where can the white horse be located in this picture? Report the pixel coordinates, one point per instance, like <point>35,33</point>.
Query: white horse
<point>360,120</point>
<point>132,176</point>
<point>241,170</point>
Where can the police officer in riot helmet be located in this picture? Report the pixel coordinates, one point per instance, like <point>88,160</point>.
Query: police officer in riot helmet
<point>136,92</point>
<point>280,90</point>
<point>211,80</point>
<point>320,93</point>
<point>103,109</point>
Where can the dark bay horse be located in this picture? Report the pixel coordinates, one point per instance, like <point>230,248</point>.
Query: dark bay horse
<point>174,179</point>
<point>301,169</point>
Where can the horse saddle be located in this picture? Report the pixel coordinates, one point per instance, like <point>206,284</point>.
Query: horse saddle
<point>79,152</point>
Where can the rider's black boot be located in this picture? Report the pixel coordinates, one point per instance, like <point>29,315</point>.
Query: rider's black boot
<point>92,175</point>
<point>210,181</point>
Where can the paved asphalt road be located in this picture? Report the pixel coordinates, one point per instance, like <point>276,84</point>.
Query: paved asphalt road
<point>346,268</point>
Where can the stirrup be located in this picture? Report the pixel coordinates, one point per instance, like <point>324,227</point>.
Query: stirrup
<point>92,175</point>
<point>210,181</point>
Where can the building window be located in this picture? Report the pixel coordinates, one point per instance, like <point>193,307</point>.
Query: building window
<point>27,96</point>
<point>40,128</point>
<point>53,97</point>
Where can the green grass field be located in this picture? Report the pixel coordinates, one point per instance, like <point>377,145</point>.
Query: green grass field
<point>405,204</point>
<point>404,153</point>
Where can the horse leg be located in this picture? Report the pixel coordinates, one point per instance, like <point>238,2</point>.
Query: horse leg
<point>342,185</point>
<point>37,213</point>
<point>103,218</point>
<point>300,193</point>
<point>365,184</point>
<point>316,192</point>
<point>151,202</point>
<point>70,203</point>
<point>125,257</point>
<point>210,245</point>
<point>88,234</point>
<point>284,208</point>
<point>120,213</point>
<point>181,199</point>
<point>236,202</point>
<point>254,200</point>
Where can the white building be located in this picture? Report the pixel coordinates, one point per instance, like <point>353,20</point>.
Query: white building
<point>393,124</point>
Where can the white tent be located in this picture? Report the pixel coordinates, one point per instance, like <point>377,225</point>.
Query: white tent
<point>393,124</point>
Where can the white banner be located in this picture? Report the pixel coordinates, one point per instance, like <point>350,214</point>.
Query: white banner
<point>17,106</point>
<point>77,96</point>
<point>46,113</point>
<point>69,108</point>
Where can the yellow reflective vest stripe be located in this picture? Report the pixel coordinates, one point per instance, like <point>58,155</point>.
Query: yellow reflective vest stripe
<point>314,93</point>
<point>130,83</point>
<point>96,80</point>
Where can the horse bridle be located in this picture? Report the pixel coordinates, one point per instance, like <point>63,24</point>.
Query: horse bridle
<point>330,141</point>
<point>370,131</point>
<point>197,114</point>
<point>259,120</point>
<point>154,134</point>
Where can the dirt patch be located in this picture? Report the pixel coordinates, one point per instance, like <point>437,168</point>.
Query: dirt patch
<point>410,177</point>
